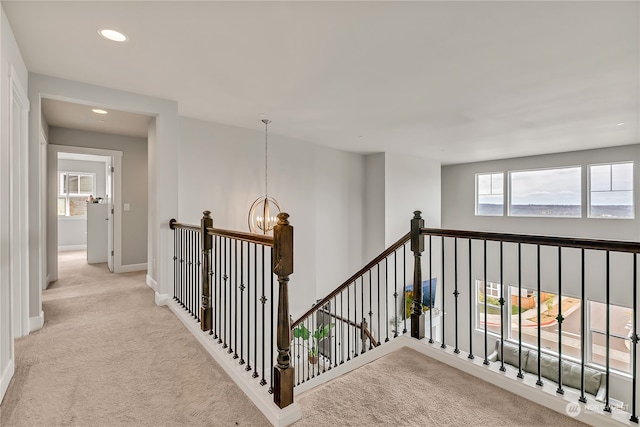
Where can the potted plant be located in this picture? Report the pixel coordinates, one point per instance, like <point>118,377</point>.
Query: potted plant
<point>321,332</point>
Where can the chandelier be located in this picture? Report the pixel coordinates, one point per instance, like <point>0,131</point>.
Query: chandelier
<point>263,215</point>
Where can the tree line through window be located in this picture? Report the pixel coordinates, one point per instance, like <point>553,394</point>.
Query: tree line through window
<point>558,192</point>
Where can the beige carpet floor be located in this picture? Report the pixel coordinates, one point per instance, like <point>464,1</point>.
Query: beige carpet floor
<point>406,388</point>
<point>108,356</point>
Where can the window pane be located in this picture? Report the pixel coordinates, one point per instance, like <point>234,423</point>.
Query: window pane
<point>493,306</point>
<point>86,184</point>
<point>62,206</point>
<point>496,183</point>
<point>77,206</point>
<point>611,191</point>
<point>72,183</point>
<point>600,177</point>
<point>622,176</point>
<point>548,192</point>
<point>620,319</point>
<point>528,305</point>
<point>489,197</point>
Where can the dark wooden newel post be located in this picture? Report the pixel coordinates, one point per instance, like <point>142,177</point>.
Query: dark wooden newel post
<point>417,247</point>
<point>283,267</point>
<point>205,307</point>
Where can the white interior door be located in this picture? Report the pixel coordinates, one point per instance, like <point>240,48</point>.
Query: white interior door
<point>111,210</point>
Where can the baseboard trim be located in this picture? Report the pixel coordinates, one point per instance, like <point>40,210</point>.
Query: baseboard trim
<point>276,416</point>
<point>130,268</point>
<point>162,299</point>
<point>6,379</point>
<point>36,323</point>
<point>72,248</point>
<point>152,283</point>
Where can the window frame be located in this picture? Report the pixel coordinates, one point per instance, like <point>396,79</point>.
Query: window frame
<point>68,195</point>
<point>510,192</point>
<point>478,195</point>
<point>632,191</point>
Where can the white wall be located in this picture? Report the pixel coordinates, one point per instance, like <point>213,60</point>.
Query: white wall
<point>134,184</point>
<point>222,170</point>
<point>10,62</point>
<point>374,212</point>
<point>72,232</point>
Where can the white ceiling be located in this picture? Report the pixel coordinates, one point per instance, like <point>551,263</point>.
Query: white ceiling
<point>455,81</point>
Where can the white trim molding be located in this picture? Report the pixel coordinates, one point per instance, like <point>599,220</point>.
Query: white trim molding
<point>6,378</point>
<point>162,299</point>
<point>152,283</point>
<point>72,248</point>
<point>129,268</point>
<point>36,323</point>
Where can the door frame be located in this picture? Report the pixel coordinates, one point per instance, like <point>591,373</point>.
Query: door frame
<point>115,225</point>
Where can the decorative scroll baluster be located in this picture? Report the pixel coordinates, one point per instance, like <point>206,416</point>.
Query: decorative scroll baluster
<point>242,288</point>
<point>417,247</point>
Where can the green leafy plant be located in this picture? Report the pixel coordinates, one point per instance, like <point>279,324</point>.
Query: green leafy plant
<point>319,334</point>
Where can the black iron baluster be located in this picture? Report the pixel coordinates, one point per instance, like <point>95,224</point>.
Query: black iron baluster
<point>607,405</point>
<point>370,306</point>
<point>249,300</point>
<point>486,324</point>
<point>430,293</point>
<point>404,287</point>
<point>455,293</point>
<point>386,298</point>
<point>175,263</point>
<point>342,326</point>
<point>349,317</point>
<point>443,345</point>
<point>470,356</point>
<point>363,349</point>
<point>582,397</point>
<point>355,316</point>
<point>242,288</point>
<point>502,301</point>
<point>214,290</point>
<point>263,300</point>
<point>309,365</point>
<point>224,303</point>
<point>396,321</point>
<point>188,271</point>
<point>560,318</point>
<point>634,340</point>
<point>255,312</point>
<point>379,314</point>
<point>539,380</point>
<point>520,374</point>
<point>271,324</point>
<point>235,299</point>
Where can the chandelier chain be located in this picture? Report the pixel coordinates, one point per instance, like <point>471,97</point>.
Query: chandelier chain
<point>266,156</point>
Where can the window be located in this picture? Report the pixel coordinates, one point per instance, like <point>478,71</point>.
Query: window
<point>73,191</point>
<point>546,192</point>
<point>611,190</point>
<point>521,307</point>
<point>621,327</point>
<point>490,194</point>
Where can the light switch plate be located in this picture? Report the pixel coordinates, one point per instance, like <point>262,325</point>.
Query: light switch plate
<point>127,207</point>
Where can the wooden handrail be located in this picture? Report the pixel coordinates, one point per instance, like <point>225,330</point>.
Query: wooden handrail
<point>173,224</point>
<point>240,235</point>
<point>404,239</point>
<point>566,242</point>
<point>352,323</point>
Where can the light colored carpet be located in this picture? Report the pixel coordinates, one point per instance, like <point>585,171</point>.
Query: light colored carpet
<point>108,356</point>
<point>420,391</point>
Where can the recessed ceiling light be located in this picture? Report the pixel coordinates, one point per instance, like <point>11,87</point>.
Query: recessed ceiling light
<point>621,124</point>
<point>99,111</point>
<point>113,35</point>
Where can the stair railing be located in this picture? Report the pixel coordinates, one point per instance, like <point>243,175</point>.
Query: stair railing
<point>225,280</point>
<point>364,312</point>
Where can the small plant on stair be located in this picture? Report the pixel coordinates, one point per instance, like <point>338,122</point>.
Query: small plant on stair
<point>319,334</point>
